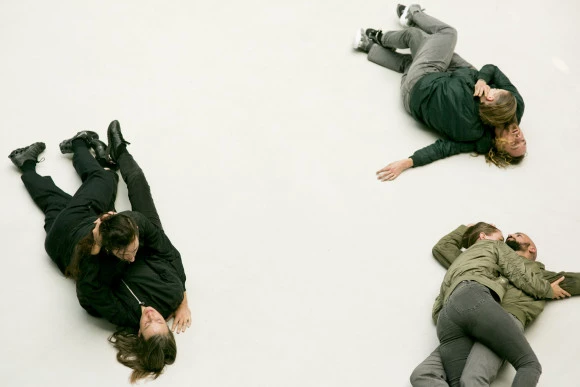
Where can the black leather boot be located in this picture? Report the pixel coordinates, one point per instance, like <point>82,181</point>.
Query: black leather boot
<point>31,152</point>
<point>101,155</point>
<point>115,138</point>
<point>86,135</point>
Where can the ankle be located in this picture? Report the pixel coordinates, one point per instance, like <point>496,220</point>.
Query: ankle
<point>29,166</point>
<point>78,143</point>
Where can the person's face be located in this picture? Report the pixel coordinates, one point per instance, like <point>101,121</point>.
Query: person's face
<point>514,142</point>
<point>495,236</point>
<point>520,242</point>
<point>129,252</point>
<point>152,323</point>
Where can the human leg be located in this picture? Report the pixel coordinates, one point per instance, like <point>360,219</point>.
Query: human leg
<point>458,62</point>
<point>471,311</point>
<point>430,373</point>
<point>48,197</point>
<point>137,185</point>
<point>431,53</point>
<point>483,364</point>
<point>390,59</point>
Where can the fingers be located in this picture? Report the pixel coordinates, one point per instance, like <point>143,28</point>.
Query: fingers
<point>387,174</point>
<point>180,324</point>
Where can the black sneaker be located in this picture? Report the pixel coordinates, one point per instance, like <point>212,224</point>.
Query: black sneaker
<point>374,35</point>
<point>31,152</point>
<point>115,138</point>
<point>86,135</point>
<point>400,9</point>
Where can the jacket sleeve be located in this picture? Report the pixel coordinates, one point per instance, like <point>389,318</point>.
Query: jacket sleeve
<point>492,75</point>
<point>440,149</point>
<point>98,298</point>
<point>449,247</point>
<point>571,282</point>
<point>156,245</point>
<point>513,267</point>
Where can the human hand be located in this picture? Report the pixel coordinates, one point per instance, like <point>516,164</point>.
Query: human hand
<point>182,316</point>
<point>481,88</point>
<point>394,169</point>
<point>558,291</point>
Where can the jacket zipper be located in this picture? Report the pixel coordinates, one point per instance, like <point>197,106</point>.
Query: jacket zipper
<point>138,300</point>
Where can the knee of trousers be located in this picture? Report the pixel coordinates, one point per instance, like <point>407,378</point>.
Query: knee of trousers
<point>425,376</point>
<point>414,33</point>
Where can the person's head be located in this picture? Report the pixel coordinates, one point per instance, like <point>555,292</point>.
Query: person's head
<point>479,231</point>
<point>119,236</point>
<point>523,245</point>
<point>148,351</point>
<point>498,108</point>
<point>509,146</point>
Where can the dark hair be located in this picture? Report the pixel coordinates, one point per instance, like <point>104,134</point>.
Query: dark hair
<point>147,358</point>
<point>117,232</point>
<point>471,235</point>
<point>499,112</point>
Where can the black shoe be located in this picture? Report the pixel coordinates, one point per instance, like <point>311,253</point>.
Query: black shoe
<point>101,155</point>
<point>115,138</point>
<point>86,135</point>
<point>374,35</point>
<point>31,152</point>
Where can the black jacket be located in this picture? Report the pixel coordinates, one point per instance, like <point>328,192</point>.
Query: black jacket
<point>156,278</point>
<point>445,102</point>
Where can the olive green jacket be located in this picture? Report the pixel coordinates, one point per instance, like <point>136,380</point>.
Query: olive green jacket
<point>492,264</point>
<point>515,301</point>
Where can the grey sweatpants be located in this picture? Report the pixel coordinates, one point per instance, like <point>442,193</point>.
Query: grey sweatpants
<point>480,370</point>
<point>432,45</point>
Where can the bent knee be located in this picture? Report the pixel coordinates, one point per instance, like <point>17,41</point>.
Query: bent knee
<point>423,376</point>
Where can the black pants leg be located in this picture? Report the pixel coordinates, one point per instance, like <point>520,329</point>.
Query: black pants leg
<point>138,188</point>
<point>48,197</point>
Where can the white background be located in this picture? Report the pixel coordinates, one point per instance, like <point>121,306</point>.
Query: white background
<point>260,131</point>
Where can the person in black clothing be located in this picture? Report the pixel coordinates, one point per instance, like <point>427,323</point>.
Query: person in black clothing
<point>475,111</point>
<point>107,285</point>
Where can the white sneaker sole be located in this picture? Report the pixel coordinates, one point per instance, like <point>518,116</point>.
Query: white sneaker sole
<point>357,42</point>
<point>403,19</point>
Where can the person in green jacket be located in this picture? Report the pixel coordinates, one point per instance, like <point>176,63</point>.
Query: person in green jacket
<point>468,306</point>
<point>475,111</point>
<point>482,365</point>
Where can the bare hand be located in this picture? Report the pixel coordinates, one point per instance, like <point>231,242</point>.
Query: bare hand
<point>394,169</point>
<point>558,291</point>
<point>481,88</point>
<point>181,317</point>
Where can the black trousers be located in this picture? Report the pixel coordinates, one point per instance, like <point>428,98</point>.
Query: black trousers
<point>67,219</point>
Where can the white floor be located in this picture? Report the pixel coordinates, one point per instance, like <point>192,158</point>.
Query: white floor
<point>260,131</point>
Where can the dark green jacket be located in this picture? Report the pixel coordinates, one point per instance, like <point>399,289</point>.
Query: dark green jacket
<point>445,103</point>
<point>515,301</point>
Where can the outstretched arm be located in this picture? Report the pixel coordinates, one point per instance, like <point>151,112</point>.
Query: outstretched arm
<point>440,149</point>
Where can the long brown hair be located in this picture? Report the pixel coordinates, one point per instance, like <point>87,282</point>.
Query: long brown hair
<point>471,235</point>
<point>117,231</point>
<point>499,112</point>
<point>147,358</point>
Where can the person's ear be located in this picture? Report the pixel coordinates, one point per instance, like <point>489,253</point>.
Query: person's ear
<point>489,97</point>
<point>532,250</point>
<point>482,236</point>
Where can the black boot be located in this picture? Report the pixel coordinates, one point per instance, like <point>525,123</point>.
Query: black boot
<point>115,138</point>
<point>30,153</point>
<point>86,135</point>
<point>100,149</point>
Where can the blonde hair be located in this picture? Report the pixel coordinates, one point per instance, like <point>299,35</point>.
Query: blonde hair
<point>501,111</point>
<point>500,158</point>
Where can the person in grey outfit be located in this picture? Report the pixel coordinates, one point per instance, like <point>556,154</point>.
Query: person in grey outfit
<point>474,111</point>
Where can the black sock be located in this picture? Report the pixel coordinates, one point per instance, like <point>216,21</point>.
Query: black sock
<point>29,166</point>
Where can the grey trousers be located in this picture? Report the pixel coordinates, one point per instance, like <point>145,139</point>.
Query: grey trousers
<point>472,314</point>
<point>432,45</point>
<point>480,370</point>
